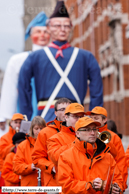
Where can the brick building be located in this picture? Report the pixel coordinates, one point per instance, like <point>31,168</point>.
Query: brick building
<point>100,27</point>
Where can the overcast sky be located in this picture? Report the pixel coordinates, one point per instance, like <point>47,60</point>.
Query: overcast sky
<point>11,30</point>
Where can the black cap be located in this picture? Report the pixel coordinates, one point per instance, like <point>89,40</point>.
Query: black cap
<point>60,10</point>
<point>18,137</point>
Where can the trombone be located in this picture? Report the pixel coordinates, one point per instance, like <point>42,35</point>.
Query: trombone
<point>104,136</point>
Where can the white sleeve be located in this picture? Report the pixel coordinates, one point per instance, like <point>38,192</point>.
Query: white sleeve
<point>9,93</point>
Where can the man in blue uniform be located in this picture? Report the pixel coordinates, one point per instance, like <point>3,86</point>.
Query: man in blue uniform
<point>59,71</point>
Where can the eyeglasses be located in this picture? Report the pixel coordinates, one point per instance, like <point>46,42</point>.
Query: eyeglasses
<point>61,109</point>
<point>75,116</point>
<point>59,26</point>
<point>89,130</point>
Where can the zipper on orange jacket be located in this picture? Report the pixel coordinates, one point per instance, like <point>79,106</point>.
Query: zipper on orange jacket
<point>91,163</point>
<point>92,159</point>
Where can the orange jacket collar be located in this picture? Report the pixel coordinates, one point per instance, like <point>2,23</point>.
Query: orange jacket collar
<point>104,128</point>
<point>31,140</point>
<point>67,129</point>
<point>55,124</point>
<point>86,147</point>
<point>11,130</point>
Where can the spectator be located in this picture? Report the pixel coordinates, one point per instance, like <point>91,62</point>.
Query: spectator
<point>3,126</point>
<point>112,126</point>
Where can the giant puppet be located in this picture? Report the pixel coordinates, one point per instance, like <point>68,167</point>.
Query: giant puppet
<point>9,94</point>
<point>60,70</point>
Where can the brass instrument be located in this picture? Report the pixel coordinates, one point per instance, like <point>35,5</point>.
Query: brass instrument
<point>104,136</point>
<point>17,129</point>
<point>25,118</point>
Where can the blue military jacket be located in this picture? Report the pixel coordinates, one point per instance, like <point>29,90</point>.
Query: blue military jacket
<point>46,77</point>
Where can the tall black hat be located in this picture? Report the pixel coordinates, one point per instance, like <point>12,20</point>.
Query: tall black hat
<point>60,10</point>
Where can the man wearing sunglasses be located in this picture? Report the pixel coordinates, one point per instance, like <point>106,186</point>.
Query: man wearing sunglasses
<point>40,156</point>
<point>85,166</point>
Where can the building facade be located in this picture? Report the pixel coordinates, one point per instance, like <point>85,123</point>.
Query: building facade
<point>100,27</point>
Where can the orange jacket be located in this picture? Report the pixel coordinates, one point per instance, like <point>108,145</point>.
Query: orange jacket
<point>127,156</point>
<point>60,142</point>
<point>22,163</point>
<point>1,163</point>
<point>79,165</point>
<point>8,175</point>
<point>120,157</point>
<point>40,157</point>
<point>6,142</point>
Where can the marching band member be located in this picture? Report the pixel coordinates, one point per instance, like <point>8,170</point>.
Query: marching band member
<point>99,114</point>
<point>22,163</point>
<point>40,37</point>
<point>85,166</point>
<point>6,144</point>
<point>12,179</point>
<point>59,70</point>
<point>127,156</point>
<point>3,130</point>
<point>62,140</point>
<point>40,157</point>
